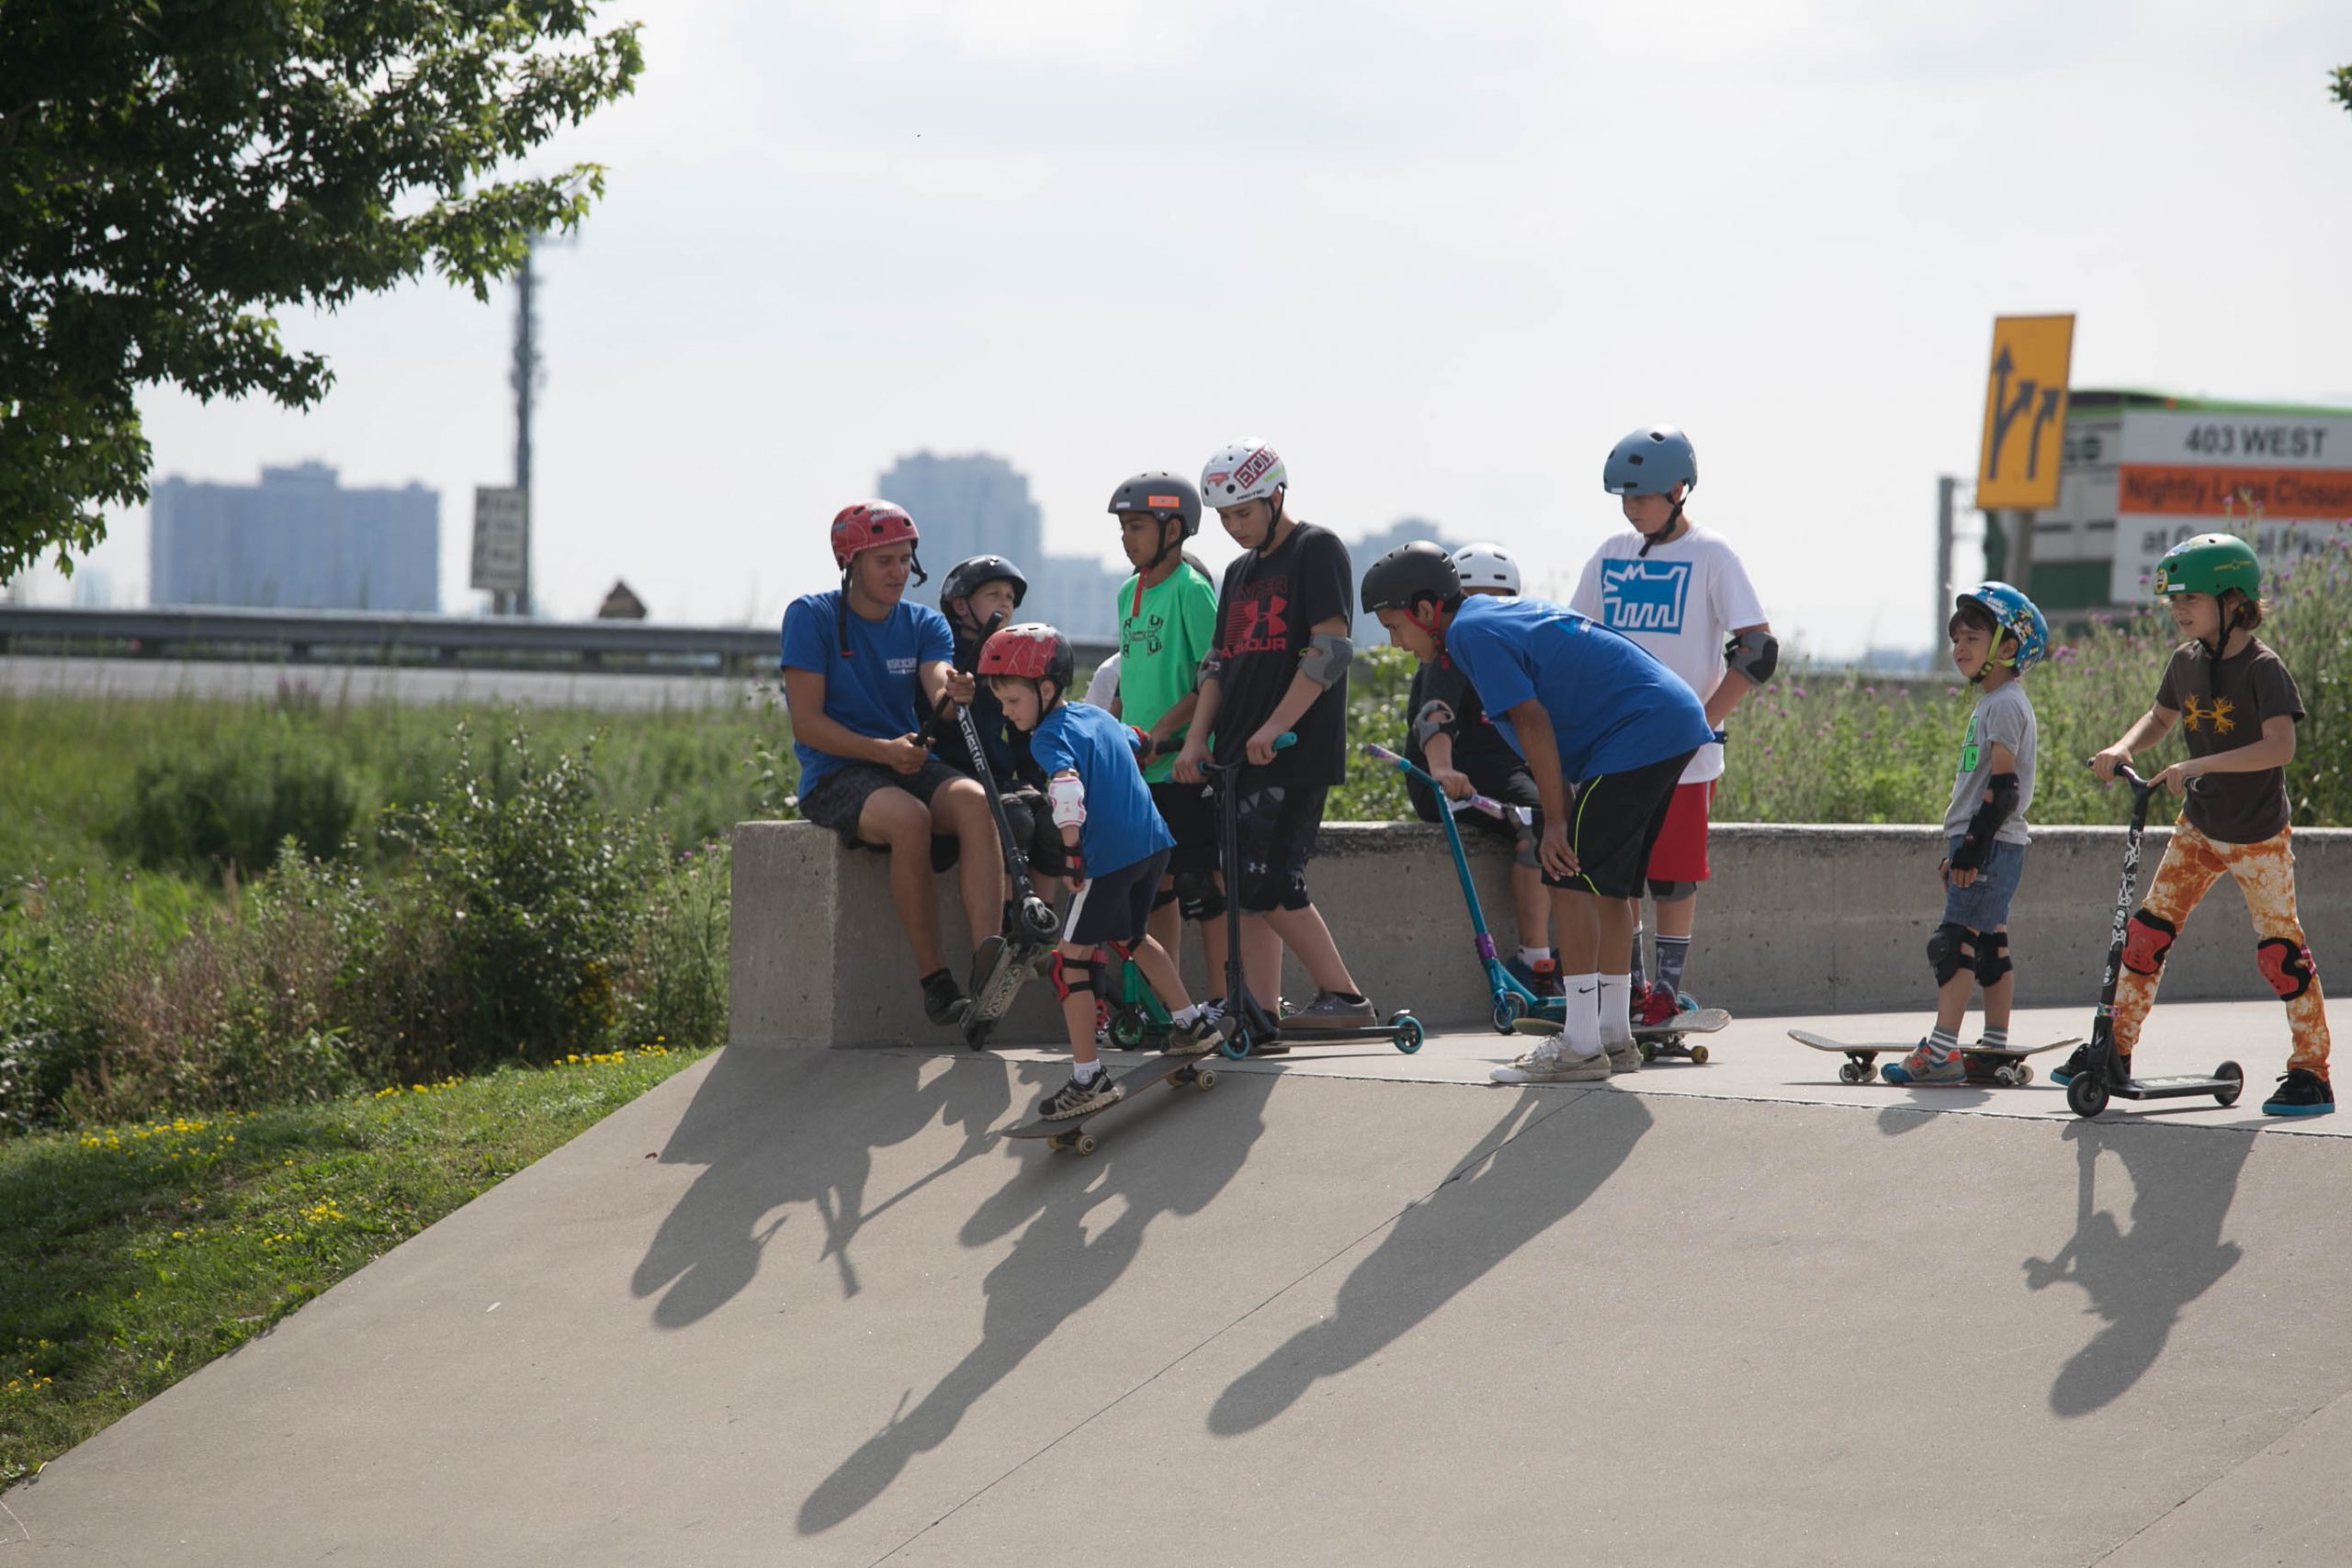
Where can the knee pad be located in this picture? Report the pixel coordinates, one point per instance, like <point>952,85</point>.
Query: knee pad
<point>1670,891</point>
<point>2146,940</point>
<point>1951,948</point>
<point>1162,899</point>
<point>2287,965</point>
<point>1196,894</point>
<point>1992,958</point>
<point>1526,854</point>
<point>1072,975</point>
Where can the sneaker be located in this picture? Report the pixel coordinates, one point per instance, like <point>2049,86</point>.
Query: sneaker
<point>1927,1064</point>
<point>2301,1092</point>
<point>1542,978</point>
<point>1654,1006</point>
<point>2082,1060</point>
<point>1624,1056</point>
<point>1076,1099</point>
<point>1197,1038</point>
<point>942,1002</point>
<point>1331,1010</point>
<point>1554,1063</point>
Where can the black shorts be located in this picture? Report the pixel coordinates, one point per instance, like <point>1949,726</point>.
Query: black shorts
<point>1190,811</point>
<point>1499,778</point>
<point>1613,825</point>
<point>841,795</point>
<point>1276,833</point>
<point>1114,906</point>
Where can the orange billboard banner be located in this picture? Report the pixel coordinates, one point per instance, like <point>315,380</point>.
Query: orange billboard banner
<point>2164,490</point>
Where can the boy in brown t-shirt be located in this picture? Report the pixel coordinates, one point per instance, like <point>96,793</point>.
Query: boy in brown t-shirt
<point>2239,707</point>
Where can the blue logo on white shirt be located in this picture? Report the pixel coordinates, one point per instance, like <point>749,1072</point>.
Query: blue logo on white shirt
<point>1644,595</point>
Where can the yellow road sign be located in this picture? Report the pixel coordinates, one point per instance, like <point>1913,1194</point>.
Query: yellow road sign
<point>2025,412</point>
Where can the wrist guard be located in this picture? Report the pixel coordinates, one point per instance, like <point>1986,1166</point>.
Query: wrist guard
<point>2000,802</point>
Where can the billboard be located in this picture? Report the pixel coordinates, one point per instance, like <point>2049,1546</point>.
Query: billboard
<point>2183,473</point>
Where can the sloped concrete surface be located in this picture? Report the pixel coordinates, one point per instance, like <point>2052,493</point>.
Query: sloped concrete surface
<point>1349,1307</point>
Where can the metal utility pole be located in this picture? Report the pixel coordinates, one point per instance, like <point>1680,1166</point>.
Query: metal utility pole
<point>524,378</point>
<point>1947,488</point>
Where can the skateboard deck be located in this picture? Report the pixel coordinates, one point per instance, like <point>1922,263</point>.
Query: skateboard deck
<point>1068,1135</point>
<point>2010,1066</point>
<point>1655,1040</point>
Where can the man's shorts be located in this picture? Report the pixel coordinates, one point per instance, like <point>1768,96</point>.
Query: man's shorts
<point>1114,906</point>
<point>1496,778</point>
<point>1681,853</point>
<point>1983,904</point>
<point>1190,811</point>
<point>1276,833</point>
<point>841,795</point>
<point>1613,825</point>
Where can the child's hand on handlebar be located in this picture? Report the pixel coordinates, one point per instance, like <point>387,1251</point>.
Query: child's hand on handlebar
<point>1455,785</point>
<point>2103,764</point>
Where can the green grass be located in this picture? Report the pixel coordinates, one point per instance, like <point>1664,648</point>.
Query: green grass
<point>132,1256</point>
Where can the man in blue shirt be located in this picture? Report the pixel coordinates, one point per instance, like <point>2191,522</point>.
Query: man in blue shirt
<point>1585,707</point>
<point>863,670</point>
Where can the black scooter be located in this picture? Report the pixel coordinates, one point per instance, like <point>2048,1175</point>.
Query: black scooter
<point>2088,1092</point>
<point>1031,926</point>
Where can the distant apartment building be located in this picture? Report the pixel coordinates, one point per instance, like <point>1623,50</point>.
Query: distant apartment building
<point>1361,553</point>
<point>980,505</point>
<point>296,541</point>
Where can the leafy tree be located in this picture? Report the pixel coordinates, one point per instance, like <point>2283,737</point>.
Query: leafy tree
<point>172,171</point>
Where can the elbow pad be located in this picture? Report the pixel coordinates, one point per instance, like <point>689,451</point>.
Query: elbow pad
<point>1068,795</point>
<point>1212,665</point>
<point>1435,719</point>
<point>1987,822</point>
<point>1754,654</point>
<point>1324,662</point>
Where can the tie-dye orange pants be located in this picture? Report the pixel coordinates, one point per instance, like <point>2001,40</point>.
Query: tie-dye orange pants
<point>2264,873</point>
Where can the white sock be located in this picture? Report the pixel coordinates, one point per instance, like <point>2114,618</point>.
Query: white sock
<point>1531,957</point>
<point>1086,1072</point>
<point>1183,1016</point>
<point>1580,1025</point>
<point>1616,1009</point>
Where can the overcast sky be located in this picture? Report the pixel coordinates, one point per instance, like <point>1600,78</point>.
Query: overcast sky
<point>1442,256</point>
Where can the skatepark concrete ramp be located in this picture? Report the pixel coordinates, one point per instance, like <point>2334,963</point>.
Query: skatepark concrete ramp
<point>1348,1307</point>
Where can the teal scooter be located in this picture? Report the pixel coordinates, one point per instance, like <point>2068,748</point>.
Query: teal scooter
<point>1514,1000</point>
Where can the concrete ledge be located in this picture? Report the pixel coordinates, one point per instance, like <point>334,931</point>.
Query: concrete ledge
<point>1797,919</point>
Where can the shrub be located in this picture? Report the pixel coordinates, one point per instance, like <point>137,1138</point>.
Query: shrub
<point>230,803</point>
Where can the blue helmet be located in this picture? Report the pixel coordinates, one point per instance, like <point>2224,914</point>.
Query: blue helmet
<point>2016,616</point>
<point>1651,461</point>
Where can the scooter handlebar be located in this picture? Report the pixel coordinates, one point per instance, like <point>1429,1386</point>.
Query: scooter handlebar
<point>1485,803</point>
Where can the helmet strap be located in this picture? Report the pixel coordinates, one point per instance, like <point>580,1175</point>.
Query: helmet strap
<point>1274,522</point>
<point>1673,521</point>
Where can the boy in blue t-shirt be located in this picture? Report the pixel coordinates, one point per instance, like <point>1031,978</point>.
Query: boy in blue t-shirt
<point>861,671</point>
<point>1113,842</point>
<point>1588,708</point>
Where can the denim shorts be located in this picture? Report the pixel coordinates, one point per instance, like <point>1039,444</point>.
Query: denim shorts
<point>1983,904</point>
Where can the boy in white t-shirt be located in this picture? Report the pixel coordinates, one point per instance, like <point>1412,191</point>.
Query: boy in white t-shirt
<point>1680,592</point>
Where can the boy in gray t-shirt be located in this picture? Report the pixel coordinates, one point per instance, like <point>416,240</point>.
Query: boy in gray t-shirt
<point>1995,633</point>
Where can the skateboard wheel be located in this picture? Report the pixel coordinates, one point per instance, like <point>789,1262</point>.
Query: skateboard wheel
<point>1084,1143</point>
<point>2236,1075</point>
<point>1649,1051</point>
<point>1699,1054</point>
<point>2086,1091</point>
<point>1509,1008</point>
<point>1852,1072</point>
<point>1408,1032</point>
<point>1206,1079</point>
<point>1057,1142</point>
<point>2025,1073</point>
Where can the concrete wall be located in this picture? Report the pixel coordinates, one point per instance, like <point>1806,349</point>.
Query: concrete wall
<point>1797,919</point>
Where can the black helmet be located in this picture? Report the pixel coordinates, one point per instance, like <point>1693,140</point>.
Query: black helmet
<point>1163,495</point>
<point>966,577</point>
<point>1410,573</point>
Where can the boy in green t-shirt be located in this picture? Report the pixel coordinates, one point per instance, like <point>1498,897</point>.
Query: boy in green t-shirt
<point>1167,626</point>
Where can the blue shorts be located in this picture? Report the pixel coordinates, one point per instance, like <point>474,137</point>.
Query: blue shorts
<point>1983,904</point>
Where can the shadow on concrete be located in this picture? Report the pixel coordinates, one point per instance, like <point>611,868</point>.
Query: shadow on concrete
<point>1167,1158</point>
<point>1512,1189</point>
<point>2140,1280</point>
<point>708,1247</point>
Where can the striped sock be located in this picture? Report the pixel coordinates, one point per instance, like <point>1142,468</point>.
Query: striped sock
<point>1994,1038</point>
<point>1673,953</point>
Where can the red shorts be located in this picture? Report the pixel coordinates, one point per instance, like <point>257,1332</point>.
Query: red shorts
<point>1680,852</point>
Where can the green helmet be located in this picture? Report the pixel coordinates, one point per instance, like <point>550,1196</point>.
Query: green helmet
<point>2208,563</point>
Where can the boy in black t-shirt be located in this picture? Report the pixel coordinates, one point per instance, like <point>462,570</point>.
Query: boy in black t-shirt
<point>980,594</point>
<point>1280,663</point>
<point>1448,735</point>
<point>2239,708</point>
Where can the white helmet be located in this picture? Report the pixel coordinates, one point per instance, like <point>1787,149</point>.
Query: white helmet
<point>1487,566</point>
<point>1242,471</point>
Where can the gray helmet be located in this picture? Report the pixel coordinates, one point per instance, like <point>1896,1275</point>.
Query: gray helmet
<point>1409,574</point>
<point>1162,495</point>
<point>1651,461</point>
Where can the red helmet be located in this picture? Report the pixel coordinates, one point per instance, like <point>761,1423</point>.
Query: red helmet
<point>866,524</point>
<point>1033,651</point>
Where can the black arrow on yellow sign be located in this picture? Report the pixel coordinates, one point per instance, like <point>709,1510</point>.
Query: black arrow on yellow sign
<point>2007,411</point>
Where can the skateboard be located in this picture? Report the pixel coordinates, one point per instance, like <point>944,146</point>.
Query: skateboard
<point>1068,1135</point>
<point>2007,1067</point>
<point>1655,1040</point>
